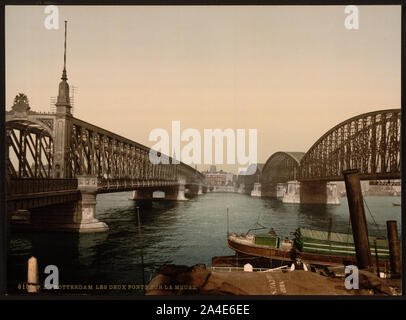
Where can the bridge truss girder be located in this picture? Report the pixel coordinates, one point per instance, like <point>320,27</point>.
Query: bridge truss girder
<point>110,157</point>
<point>369,142</point>
<point>280,168</point>
<point>29,150</point>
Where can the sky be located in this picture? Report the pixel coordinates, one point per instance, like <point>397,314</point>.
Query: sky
<point>292,73</point>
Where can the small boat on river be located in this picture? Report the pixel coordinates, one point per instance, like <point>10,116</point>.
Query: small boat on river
<point>309,246</point>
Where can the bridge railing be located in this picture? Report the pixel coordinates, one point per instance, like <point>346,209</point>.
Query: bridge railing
<point>111,184</point>
<point>35,185</point>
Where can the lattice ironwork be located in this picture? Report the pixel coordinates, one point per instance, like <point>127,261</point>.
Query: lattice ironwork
<point>98,152</point>
<point>29,150</point>
<point>281,167</point>
<point>369,142</point>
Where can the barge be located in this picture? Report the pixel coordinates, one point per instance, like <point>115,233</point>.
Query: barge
<point>309,246</point>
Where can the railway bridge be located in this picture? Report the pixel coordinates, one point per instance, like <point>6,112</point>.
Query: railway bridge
<point>57,164</point>
<point>368,142</point>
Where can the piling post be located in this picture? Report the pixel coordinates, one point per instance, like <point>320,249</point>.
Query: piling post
<point>228,224</point>
<point>394,247</point>
<point>378,272</point>
<point>32,279</point>
<point>358,219</point>
<point>330,227</point>
<point>141,245</point>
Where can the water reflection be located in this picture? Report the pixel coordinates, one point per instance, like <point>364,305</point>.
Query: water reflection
<point>185,232</point>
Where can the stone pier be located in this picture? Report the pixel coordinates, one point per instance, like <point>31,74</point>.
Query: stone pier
<point>74,216</point>
<point>194,189</point>
<point>175,192</point>
<point>332,193</point>
<point>85,216</point>
<point>281,190</point>
<point>256,191</point>
<point>269,189</point>
<point>319,192</point>
<point>311,192</point>
<point>292,194</point>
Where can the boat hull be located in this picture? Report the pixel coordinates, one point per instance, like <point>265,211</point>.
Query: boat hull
<point>261,251</point>
<point>292,255</point>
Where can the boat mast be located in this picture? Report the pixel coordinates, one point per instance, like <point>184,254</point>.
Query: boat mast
<point>228,224</point>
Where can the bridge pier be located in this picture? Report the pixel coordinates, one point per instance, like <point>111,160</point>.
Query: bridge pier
<point>319,192</point>
<point>269,190</point>
<point>194,189</point>
<point>85,215</point>
<point>73,216</point>
<point>311,192</point>
<point>292,194</point>
<point>256,190</point>
<point>281,189</point>
<point>332,193</point>
<point>175,192</point>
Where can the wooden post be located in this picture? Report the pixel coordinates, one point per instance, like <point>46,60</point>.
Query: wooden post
<point>358,219</point>
<point>141,244</point>
<point>33,280</point>
<point>228,224</point>
<point>330,227</point>
<point>377,259</point>
<point>394,247</point>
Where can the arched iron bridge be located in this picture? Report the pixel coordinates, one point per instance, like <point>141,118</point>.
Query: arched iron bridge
<point>369,142</point>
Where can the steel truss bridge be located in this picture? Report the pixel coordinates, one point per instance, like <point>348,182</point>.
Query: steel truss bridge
<point>55,158</point>
<point>369,142</point>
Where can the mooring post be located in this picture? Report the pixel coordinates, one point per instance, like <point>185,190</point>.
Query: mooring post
<point>141,245</point>
<point>358,219</point>
<point>330,227</point>
<point>378,272</point>
<point>394,247</point>
<point>228,224</point>
<point>32,279</point>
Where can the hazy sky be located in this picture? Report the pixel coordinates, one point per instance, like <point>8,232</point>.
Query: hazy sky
<point>290,72</point>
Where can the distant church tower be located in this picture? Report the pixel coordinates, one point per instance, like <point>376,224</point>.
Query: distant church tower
<point>63,126</point>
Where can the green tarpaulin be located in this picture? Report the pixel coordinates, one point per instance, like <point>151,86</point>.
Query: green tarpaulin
<point>333,243</point>
<point>267,240</point>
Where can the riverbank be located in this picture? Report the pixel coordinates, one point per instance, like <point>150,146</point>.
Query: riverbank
<point>199,280</point>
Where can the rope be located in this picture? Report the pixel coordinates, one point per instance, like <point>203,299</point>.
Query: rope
<point>348,231</point>
<point>257,224</point>
<point>377,227</point>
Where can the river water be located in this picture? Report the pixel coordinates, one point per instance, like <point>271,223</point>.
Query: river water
<point>184,233</point>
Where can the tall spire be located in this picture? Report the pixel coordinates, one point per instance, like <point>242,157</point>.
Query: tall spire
<point>63,101</point>
<point>64,77</point>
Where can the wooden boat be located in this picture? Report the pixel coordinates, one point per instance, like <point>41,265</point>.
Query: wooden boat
<point>396,204</point>
<point>309,246</point>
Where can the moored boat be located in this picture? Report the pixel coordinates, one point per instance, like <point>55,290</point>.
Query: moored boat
<point>309,246</point>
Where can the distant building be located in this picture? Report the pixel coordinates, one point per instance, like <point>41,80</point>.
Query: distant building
<point>216,179</point>
<point>219,178</point>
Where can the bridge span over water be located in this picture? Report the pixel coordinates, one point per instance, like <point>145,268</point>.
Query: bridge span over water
<point>57,164</point>
<point>368,142</point>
